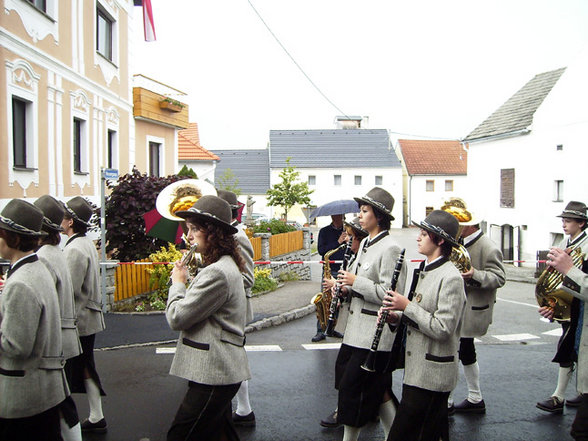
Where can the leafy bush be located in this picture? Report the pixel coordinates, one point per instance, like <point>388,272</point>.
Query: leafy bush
<point>263,281</point>
<point>159,274</point>
<point>274,226</point>
<point>288,276</point>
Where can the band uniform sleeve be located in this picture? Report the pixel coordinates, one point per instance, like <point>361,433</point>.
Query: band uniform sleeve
<point>576,283</point>
<point>375,290</point>
<point>441,323</point>
<point>206,294</point>
<point>493,275</point>
<point>246,250</point>
<point>20,313</point>
<point>77,264</point>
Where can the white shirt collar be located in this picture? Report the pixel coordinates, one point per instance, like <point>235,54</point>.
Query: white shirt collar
<point>471,237</point>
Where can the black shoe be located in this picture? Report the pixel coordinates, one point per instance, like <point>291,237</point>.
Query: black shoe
<point>100,426</point>
<point>574,402</point>
<point>451,410</point>
<point>337,334</point>
<point>468,407</point>
<point>553,405</point>
<point>244,421</point>
<point>318,337</point>
<point>331,421</point>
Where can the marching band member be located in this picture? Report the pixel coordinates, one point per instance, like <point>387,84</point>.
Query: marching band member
<point>486,275</point>
<point>83,264</point>
<point>243,415</point>
<point>362,394</point>
<point>51,255</point>
<point>357,234</point>
<point>211,315</point>
<point>574,220</point>
<point>432,313</point>
<point>575,282</point>
<point>32,381</point>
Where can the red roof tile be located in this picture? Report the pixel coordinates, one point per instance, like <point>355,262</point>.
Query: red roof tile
<point>434,157</point>
<point>189,148</point>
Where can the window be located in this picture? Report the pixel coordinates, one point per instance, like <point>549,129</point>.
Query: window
<point>357,180</point>
<point>19,132</point>
<point>41,5</point>
<point>507,182</point>
<point>111,161</point>
<point>336,179</point>
<point>449,185</point>
<point>378,180</point>
<point>558,191</point>
<point>154,152</point>
<point>311,180</point>
<point>77,145</point>
<point>428,210</point>
<point>104,34</point>
<point>559,147</point>
<point>430,186</point>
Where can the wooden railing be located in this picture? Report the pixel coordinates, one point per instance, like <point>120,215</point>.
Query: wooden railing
<point>256,243</point>
<point>131,280</point>
<point>285,243</point>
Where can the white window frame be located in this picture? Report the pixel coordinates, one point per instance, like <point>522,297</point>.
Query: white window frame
<point>22,82</point>
<point>558,190</point>
<point>379,178</point>
<point>110,68</point>
<point>427,184</point>
<point>335,180</point>
<point>80,106</point>
<point>312,180</point>
<point>112,125</point>
<point>357,180</point>
<point>161,142</point>
<point>449,181</point>
<point>37,23</point>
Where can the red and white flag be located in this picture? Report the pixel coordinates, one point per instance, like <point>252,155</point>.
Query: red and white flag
<point>148,21</point>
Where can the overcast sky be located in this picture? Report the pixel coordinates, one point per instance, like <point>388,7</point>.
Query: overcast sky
<point>433,68</point>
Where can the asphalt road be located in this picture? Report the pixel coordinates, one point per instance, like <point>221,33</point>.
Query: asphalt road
<point>292,384</point>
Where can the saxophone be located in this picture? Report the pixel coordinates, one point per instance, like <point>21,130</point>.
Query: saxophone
<point>322,300</point>
<point>548,291</point>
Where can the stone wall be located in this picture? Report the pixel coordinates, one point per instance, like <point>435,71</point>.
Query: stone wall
<point>303,270</point>
<point>110,269</point>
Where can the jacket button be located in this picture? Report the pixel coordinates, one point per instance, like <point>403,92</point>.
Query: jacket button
<point>408,353</point>
<point>408,332</point>
<point>350,311</point>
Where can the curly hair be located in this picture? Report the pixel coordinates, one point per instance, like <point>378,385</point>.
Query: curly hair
<point>220,243</point>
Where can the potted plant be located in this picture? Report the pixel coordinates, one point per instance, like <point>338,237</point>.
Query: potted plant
<point>171,105</point>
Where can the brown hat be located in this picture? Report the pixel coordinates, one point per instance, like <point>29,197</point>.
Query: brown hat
<point>230,197</point>
<point>442,224</point>
<point>380,200</point>
<point>574,210</point>
<point>23,218</point>
<point>80,210</point>
<point>213,209</point>
<point>52,210</point>
<point>355,226</point>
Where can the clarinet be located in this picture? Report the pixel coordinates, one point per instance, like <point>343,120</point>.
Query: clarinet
<point>370,362</point>
<point>334,306</point>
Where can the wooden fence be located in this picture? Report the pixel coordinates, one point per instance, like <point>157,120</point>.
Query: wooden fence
<point>131,280</point>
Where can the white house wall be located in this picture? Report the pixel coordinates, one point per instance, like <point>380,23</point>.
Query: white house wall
<point>419,198</point>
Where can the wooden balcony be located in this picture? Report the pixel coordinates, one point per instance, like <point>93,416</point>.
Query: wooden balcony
<point>152,106</point>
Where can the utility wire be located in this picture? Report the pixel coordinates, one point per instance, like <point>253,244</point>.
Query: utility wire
<point>294,61</point>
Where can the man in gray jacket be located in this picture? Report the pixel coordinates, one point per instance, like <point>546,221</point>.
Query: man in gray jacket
<point>83,264</point>
<point>482,281</point>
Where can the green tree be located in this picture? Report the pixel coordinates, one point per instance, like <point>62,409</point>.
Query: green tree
<point>188,172</point>
<point>287,193</point>
<point>228,181</point>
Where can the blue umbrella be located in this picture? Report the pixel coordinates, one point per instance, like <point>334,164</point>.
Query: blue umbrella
<point>335,207</point>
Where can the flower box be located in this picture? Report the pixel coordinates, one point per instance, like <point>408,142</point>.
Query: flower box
<point>171,105</point>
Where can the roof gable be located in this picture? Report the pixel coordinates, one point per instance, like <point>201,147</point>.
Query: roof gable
<point>189,148</point>
<point>516,114</point>
<point>335,148</point>
<point>433,157</point>
<point>250,167</point>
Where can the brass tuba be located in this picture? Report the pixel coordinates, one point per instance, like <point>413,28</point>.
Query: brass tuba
<point>461,258</point>
<point>181,195</point>
<point>322,300</point>
<point>548,291</point>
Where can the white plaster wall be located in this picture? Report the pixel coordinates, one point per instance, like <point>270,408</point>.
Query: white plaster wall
<point>420,198</point>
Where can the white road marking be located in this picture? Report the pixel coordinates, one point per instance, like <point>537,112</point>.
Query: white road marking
<point>556,332</point>
<point>519,303</point>
<point>515,337</point>
<point>321,346</point>
<point>263,348</point>
<point>165,350</point>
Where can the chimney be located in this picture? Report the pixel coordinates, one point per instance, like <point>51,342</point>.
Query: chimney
<point>351,122</point>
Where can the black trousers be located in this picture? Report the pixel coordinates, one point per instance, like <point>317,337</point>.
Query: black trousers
<point>580,425</point>
<point>41,427</point>
<point>205,414</point>
<point>75,367</point>
<point>467,351</point>
<point>421,416</point>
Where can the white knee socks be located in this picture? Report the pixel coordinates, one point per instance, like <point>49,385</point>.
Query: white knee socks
<point>94,400</point>
<point>70,433</point>
<point>351,433</point>
<point>472,375</point>
<point>243,404</point>
<point>563,378</point>
<point>387,414</point>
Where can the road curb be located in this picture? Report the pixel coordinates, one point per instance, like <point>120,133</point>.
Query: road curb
<point>280,319</point>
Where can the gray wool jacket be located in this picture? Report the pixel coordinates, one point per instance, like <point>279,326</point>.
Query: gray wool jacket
<point>374,266</point>
<point>489,275</point>
<point>52,257</point>
<point>84,268</point>
<point>248,276</point>
<point>211,316</point>
<point>31,359</point>
<point>433,319</point>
